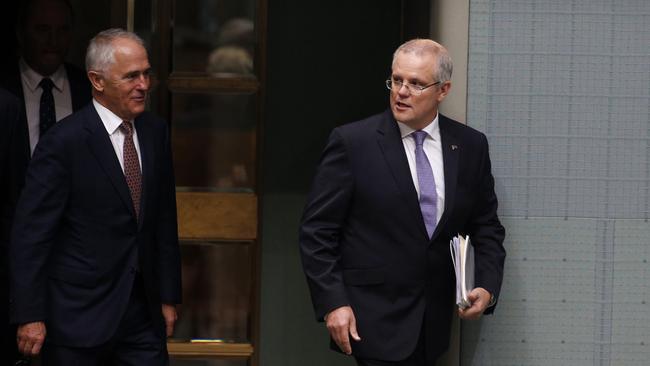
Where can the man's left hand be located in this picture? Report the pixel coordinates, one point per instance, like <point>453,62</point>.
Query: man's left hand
<point>480,299</point>
<point>169,313</point>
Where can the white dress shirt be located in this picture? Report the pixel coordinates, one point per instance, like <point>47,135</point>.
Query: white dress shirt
<point>112,123</point>
<point>32,95</point>
<point>433,150</point>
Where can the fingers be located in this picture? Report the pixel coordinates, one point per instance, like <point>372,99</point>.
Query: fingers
<point>338,327</point>
<point>343,340</point>
<point>473,296</point>
<point>36,349</point>
<point>353,329</point>
<point>479,298</point>
<point>341,325</point>
<point>30,338</point>
<point>169,326</point>
<point>471,313</point>
<point>170,315</point>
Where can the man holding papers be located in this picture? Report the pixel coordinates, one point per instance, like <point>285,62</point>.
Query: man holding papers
<point>390,193</point>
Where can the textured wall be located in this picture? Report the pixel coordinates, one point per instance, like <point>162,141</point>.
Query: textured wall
<point>562,89</point>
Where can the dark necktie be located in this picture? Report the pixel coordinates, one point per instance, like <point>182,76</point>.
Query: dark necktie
<point>131,166</point>
<point>47,112</point>
<point>426,183</point>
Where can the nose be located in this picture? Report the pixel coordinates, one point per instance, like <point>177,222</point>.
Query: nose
<point>143,81</point>
<point>403,90</point>
<point>51,37</point>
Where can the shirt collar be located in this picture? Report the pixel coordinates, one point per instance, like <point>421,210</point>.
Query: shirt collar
<point>432,129</point>
<point>111,121</point>
<point>33,78</point>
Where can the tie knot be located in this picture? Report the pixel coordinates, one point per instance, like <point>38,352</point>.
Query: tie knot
<point>419,137</point>
<point>127,128</point>
<point>46,84</point>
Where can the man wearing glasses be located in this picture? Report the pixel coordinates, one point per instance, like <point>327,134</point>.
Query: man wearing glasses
<point>390,192</point>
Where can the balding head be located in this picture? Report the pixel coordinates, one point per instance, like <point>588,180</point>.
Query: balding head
<point>429,48</point>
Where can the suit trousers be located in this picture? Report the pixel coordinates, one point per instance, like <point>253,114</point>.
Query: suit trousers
<point>136,342</point>
<point>8,346</point>
<point>417,358</point>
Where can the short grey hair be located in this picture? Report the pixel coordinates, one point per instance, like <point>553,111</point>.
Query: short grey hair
<point>422,47</point>
<point>101,52</point>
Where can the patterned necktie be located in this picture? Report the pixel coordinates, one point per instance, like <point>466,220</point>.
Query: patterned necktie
<point>47,112</point>
<point>426,183</point>
<point>131,166</point>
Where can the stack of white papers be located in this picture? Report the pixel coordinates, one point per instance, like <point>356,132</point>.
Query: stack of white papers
<point>462,255</point>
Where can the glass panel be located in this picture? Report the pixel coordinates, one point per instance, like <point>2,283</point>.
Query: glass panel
<point>144,14</point>
<point>206,362</point>
<point>214,141</point>
<point>214,36</point>
<point>86,27</point>
<point>216,291</point>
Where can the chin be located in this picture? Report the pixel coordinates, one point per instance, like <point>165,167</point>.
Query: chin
<point>400,116</point>
<point>137,112</point>
<point>138,108</point>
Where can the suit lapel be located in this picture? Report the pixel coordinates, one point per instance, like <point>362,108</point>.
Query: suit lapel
<point>450,156</point>
<point>101,147</point>
<point>390,143</point>
<point>146,155</point>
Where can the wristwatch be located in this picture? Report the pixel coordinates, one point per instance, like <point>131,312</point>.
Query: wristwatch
<point>493,300</point>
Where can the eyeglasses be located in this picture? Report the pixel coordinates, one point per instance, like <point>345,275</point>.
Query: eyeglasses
<point>396,85</point>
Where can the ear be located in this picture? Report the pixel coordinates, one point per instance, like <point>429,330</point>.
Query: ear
<point>96,80</point>
<point>444,90</point>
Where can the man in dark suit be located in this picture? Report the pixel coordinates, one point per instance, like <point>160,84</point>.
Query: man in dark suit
<point>389,194</point>
<point>9,114</point>
<point>44,30</point>
<point>95,263</point>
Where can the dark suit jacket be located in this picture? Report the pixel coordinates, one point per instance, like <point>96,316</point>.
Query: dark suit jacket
<point>80,92</point>
<point>9,112</point>
<point>364,243</point>
<point>76,243</point>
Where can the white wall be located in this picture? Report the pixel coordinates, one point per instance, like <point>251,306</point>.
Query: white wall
<point>450,27</point>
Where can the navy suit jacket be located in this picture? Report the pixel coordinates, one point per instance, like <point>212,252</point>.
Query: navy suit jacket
<point>9,113</point>
<point>10,110</point>
<point>76,243</point>
<point>364,243</point>
<point>80,93</point>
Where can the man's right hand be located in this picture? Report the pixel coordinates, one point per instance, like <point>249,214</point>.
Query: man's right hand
<point>341,325</point>
<point>30,338</point>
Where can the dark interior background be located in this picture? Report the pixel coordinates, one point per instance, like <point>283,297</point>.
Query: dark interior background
<point>327,62</point>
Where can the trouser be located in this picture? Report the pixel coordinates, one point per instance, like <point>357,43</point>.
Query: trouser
<point>136,342</point>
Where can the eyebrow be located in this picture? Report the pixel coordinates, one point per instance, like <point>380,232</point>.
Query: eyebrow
<point>413,81</point>
<point>137,72</point>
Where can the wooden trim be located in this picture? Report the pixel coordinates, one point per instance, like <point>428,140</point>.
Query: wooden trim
<point>261,29</point>
<point>211,216</point>
<point>209,349</point>
<point>201,82</point>
<point>130,15</point>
